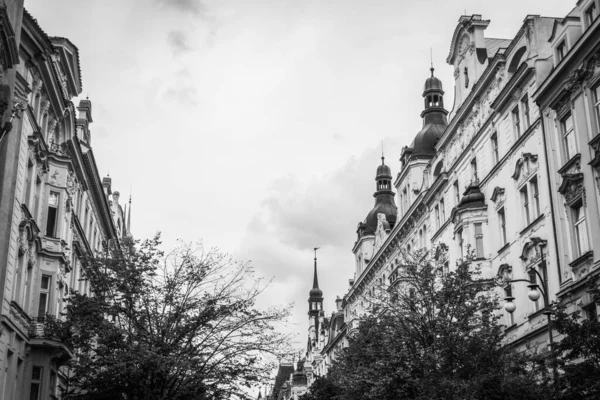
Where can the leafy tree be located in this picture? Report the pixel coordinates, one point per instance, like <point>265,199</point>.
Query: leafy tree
<point>323,388</point>
<point>578,352</point>
<point>180,326</point>
<point>434,335</point>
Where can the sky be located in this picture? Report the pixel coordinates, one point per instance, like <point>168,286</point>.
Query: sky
<point>256,126</point>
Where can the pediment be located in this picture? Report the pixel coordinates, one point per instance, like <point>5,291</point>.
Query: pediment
<point>497,194</point>
<point>525,166</point>
<point>460,43</point>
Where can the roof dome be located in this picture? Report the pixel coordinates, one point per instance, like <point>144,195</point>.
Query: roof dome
<point>426,139</point>
<point>383,171</point>
<point>316,293</point>
<point>386,207</point>
<point>433,83</point>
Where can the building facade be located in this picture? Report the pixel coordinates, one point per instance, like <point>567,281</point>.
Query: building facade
<point>512,173</point>
<point>55,209</point>
<point>569,100</point>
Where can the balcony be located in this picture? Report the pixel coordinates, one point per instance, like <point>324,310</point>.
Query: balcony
<point>45,337</point>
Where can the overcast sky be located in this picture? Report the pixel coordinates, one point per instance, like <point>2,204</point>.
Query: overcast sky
<point>256,125</point>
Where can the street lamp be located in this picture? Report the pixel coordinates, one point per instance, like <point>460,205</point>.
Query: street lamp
<point>535,292</point>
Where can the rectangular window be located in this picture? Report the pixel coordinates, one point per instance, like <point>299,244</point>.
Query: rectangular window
<point>570,148</point>
<point>525,204</point>
<point>52,214</point>
<point>44,296</point>
<point>456,193</point>
<point>591,313</point>
<point>494,140</point>
<point>479,240</point>
<point>459,237</point>
<point>502,223</point>
<point>590,15</point>
<point>36,382</point>
<point>525,110</point>
<point>561,50</point>
<point>596,97</point>
<point>516,121</point>
<point>474,171</point>
<point>536,197</point>
<point>579,229</point>
<point>443,210</point>
<point>437,216</point>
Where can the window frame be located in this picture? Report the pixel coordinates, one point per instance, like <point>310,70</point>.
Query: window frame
<point>561,50</point>
<point>567,134</point>
<point>52,211</point>
<point>516,118</point>
<point>495,153</point>
<point>596,105</point>
<point>479,248</point>
<point>524,104</point>
<point>590,14</point>
<point>524,193</point>
<point>579,227</point>
<point>502,224</point>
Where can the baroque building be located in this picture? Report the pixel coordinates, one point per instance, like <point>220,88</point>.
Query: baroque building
<point>512,173</point>
<point>55,207</point>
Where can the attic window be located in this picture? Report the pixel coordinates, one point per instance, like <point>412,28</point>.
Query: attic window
<point>561,50</point>
<point>590,14</point>
<point>466,77</point>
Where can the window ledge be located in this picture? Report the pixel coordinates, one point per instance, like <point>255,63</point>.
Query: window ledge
<point>510,328</point>
<point>533,223</point>
<point>573,161</point>
<point>506,246</point>
<point>536,313</point>
<point>588,255</point>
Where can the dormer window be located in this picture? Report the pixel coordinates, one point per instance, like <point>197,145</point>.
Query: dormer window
<point>561,51</point>
<point>590,15</point>
<point>466,72</point>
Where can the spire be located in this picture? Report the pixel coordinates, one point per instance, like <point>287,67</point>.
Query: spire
<point>129,216</point>
<point>315,279</point>
<point>431,58</point>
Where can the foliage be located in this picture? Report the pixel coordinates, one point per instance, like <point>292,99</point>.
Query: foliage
<point>180,326</point>
<point>323,388</point>
<point>579,350</point>
<point>434,335</point>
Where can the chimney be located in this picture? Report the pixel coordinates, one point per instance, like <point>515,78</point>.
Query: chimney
<point>106,182</point>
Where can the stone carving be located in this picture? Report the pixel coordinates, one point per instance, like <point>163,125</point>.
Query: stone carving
<point>498,197</point>
<point>525,167</point>
<point>382,231</point>
<point>572,187</point>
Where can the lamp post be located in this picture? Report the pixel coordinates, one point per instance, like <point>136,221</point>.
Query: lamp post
<point>535,292</point>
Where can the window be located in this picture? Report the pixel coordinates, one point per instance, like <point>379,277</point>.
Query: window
<point>437,216</point>
<point>561,50</point>
<point>516,121</point>
<point>494,140</point>
<point>474,171</point>
<point>579,229</point>
<point>456,193</point>
<point>44,297</point>
<point>459,237</point>
<point>502,223</point>
<point>525,110</point>
<point>525,204</point>
<point>591,313</point>
<point>443,210</point>
<point>596,97</point>
<point>52,214</point>
<point>36,382</point>
<point>570,148</point>
<point>533,183</point>
<point>590,15</point>
<point>466,72</point>
<point>479,240</point>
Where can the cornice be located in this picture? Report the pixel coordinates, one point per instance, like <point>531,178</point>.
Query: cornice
<point>506,94</point>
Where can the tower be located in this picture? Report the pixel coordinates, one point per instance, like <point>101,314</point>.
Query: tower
<point>315,305</point>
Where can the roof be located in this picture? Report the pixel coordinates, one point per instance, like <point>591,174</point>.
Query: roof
<point>493,45</point>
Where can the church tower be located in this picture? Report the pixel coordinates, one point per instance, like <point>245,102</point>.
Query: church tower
<point>315,306</point>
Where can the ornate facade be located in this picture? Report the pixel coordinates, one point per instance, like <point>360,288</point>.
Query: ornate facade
<point>55,208</point>
<point>512,173</point>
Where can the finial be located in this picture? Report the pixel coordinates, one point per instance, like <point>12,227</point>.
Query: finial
<point>316,248</point>
<point>382,156</point>
<point>431,58</point>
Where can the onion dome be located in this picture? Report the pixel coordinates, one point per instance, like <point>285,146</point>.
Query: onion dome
<point>384,201</point>
<point>433,83</point>
<point>434,119</point>
<point>473,198</point>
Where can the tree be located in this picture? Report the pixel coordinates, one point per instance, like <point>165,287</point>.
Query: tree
<point>180,326</point>
<point>434,335</point>
<point>578,352</point>
<point>323,388</point>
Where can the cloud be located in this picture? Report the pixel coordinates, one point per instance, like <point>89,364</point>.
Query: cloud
<point>178,42</point>
<point>185,95</point>
<point>297,215</point>
<point>196,7</point>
